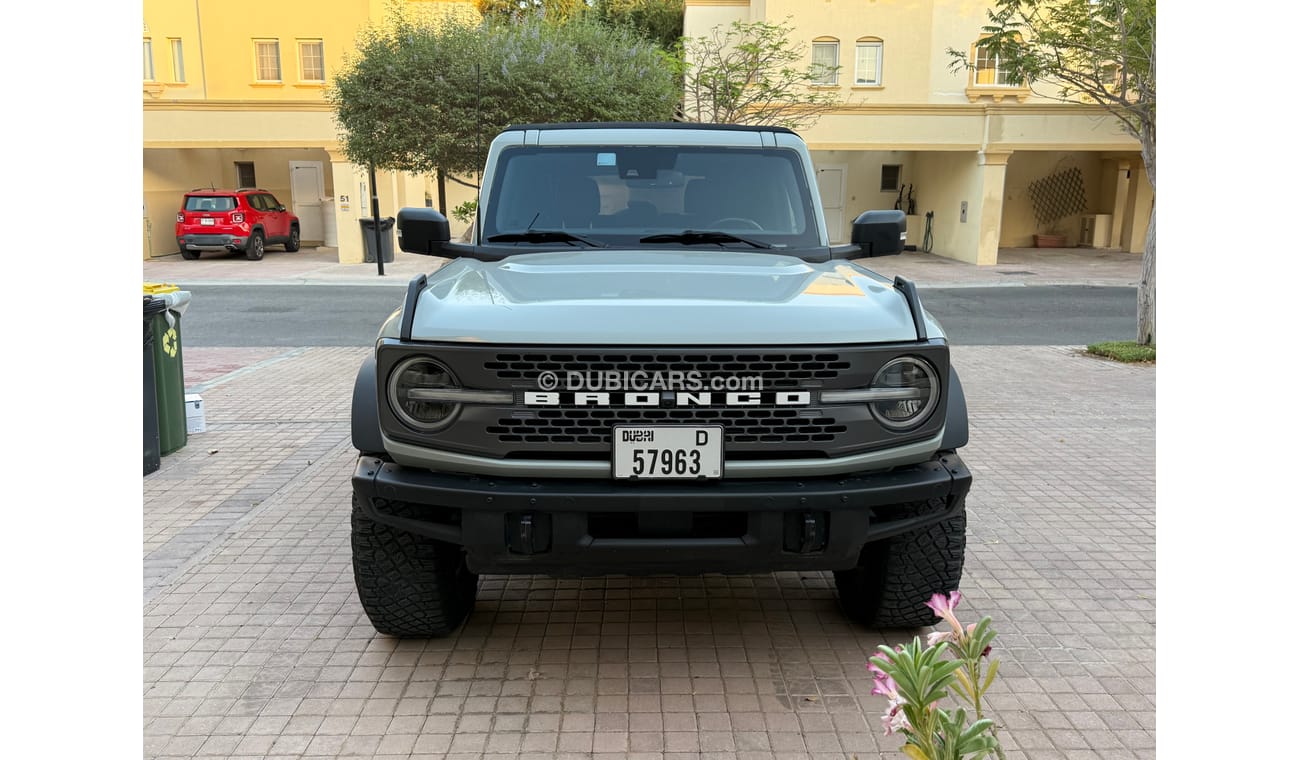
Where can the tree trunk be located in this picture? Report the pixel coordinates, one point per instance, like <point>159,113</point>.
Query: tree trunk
<point>442,193</point>
<point>1146,295</point>
<point>1146,306</point>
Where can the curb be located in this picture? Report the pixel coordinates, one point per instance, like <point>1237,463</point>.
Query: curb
<point>387,282</point>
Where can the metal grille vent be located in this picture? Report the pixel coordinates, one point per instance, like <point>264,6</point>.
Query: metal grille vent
<point>777,370</point>
<point>594,426</point>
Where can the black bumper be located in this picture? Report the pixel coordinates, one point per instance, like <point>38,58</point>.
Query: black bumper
<point>211,242</point>
<point>597,527</point>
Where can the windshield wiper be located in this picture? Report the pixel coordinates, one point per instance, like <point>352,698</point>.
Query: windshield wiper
<point>696,237</point>
<point>545,236</point>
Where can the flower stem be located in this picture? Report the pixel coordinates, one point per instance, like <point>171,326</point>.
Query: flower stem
<point>997,743</point>
<point>973,670</point>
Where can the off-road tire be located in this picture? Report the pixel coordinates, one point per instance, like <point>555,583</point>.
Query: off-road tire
<point>294,242</point>
<point>189,255</point>
<point>409,585</point>
<point>256,248</point>
<point>896,576</point>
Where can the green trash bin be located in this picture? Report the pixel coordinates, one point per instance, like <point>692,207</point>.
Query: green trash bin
<point>169,367</point>
<point>152,307</point>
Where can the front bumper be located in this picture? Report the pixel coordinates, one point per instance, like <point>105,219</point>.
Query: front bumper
<point>595,527</point>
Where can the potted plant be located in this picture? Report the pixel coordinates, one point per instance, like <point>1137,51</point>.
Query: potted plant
<point>1053,238</point>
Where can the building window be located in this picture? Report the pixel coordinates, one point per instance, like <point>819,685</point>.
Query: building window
<point>148,60</point>
<point>866,71</point>
<point>989,71</point>
<point>245,175</point>
<point>178,60</point>
<point>826,61</point>
<point>268,60</point>
<point>890,176</point>
<point>311,60</point>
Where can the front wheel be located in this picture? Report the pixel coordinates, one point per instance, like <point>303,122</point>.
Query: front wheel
<point>409,585</point>
<point>896,576</point>
<point>256,247</point>
<point>294,243</point>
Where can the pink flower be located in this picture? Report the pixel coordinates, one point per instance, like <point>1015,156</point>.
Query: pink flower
<point>943,606</point>
<point>883,685</point>
<point>886,686</point>
<point>938,636</point>
<point>895,719</point>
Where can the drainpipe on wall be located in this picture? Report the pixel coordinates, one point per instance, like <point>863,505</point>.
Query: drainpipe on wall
<point>203,69</point>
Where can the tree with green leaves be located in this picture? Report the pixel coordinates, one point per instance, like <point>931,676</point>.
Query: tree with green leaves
<point>1092,51</point>
<point>657,20</point>
<point>421,96</point>
<point>751,73</point>
<point>553,10</point>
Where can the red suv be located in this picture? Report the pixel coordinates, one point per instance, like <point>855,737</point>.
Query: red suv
<point>247,219</point>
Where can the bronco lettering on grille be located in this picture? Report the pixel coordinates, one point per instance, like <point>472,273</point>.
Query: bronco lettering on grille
<point>680,398</point>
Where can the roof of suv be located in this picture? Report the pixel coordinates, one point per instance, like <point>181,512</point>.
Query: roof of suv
<point>210,191</point>
<point>652,125</point>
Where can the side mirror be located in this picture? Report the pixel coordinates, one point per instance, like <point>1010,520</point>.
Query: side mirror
<point>280,207</point>
<point>880,233</point>
<point>422,230</point>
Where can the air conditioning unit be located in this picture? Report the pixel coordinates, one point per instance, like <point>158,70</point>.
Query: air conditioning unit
<point>1094,231</point>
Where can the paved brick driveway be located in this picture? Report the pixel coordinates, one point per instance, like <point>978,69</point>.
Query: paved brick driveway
<point>255,645</point>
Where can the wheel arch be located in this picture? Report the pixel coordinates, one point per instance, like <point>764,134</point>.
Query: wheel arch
<point>365,409</point>
<point>956,431</point>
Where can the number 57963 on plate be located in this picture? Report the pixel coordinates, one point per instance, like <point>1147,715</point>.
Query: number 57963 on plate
<point>659,452</point>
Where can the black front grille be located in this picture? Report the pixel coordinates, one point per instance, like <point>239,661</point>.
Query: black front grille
<point>595,426</point>
<point>584,431</point>
<point>778,370</point>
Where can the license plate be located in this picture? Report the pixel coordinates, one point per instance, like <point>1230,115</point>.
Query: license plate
<point>208,222</point>
<point>667,453</point>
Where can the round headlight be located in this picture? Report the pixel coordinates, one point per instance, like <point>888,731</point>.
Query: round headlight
<point>920,384</point>
<point>420,373</point>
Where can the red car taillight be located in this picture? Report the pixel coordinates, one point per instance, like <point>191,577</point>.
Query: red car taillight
<point>180,217</point>
<point>237,217</point>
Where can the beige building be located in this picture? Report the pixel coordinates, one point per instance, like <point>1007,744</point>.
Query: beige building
<point>989,158</point>
<point>234,96</point>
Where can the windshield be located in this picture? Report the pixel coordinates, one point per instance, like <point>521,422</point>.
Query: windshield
<point>618,194</point>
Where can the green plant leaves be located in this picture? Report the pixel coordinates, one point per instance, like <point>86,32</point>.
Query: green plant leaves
<point>993,670</point>
<point>924,676</point>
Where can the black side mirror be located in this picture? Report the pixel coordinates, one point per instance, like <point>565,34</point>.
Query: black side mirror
<point>422,230</point>
<point>880,233</point>
<point>280,207</point>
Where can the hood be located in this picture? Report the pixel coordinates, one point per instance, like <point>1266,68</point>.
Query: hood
<point>640,297</point>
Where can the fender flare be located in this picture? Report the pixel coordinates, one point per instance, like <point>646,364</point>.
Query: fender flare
<point>956,432</point>
<point>365,410</point>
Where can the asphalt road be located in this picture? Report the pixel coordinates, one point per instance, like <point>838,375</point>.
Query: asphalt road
<point>341,315</point>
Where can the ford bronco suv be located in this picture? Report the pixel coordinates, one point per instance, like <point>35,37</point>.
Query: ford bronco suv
<point>649,359</point>
<point>248,220</point>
